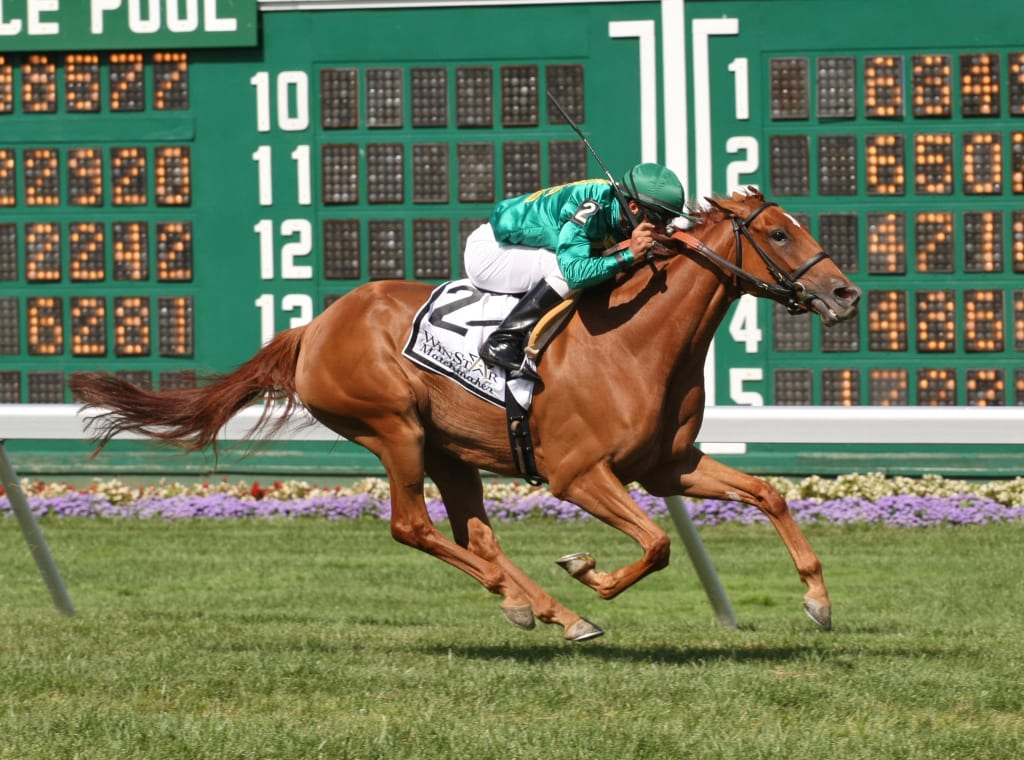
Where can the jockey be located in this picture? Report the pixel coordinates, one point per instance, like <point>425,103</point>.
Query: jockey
<point>542,245</point>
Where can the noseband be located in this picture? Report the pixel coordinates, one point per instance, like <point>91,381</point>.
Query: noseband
<point>787,288</point>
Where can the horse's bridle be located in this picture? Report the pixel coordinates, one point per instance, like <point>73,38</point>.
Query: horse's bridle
<point>787,289</point>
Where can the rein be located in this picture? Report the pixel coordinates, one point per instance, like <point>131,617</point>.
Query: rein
<point>787,289</point>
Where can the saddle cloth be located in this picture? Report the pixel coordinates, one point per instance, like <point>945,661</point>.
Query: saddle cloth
<point>446,336</point>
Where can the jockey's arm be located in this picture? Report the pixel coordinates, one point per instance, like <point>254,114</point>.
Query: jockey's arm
<point>579,268</point>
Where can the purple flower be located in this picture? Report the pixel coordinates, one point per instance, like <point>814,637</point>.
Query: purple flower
<point>900,510</point>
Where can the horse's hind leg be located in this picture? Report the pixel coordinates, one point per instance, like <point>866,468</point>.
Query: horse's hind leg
<point>462,492</point>
<point>402,457</point>
<point>710,479</point>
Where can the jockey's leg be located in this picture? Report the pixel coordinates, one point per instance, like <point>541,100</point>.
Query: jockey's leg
<point>499,268</point>
<point>506,345</point>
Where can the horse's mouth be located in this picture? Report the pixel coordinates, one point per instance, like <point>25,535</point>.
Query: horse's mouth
<point>834,311</point>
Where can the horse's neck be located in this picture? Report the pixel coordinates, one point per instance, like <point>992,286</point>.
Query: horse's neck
<point>685,297</point>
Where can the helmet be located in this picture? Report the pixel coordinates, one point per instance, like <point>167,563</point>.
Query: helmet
<point>657,189</point>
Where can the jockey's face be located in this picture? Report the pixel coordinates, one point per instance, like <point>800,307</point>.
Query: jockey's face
<point>656,216</point>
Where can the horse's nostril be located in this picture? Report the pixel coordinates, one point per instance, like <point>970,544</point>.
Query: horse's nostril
<point>847,293</point>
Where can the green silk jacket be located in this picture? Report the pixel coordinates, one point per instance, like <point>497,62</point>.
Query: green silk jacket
<point>575,221</point>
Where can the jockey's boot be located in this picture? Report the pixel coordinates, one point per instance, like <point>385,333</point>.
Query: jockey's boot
<point>506,346</point>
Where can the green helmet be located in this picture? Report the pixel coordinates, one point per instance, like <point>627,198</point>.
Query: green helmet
<point>657,189</point>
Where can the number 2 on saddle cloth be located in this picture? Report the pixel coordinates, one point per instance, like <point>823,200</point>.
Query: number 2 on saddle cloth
<point>446,335</point>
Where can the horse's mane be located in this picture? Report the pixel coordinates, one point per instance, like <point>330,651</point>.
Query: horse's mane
<point>703,216</point>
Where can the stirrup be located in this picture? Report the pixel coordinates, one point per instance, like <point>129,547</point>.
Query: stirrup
<point>526,370</point>
<point>497,356</point>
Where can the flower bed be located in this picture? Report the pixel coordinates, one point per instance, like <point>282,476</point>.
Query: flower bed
<point>871,498</point>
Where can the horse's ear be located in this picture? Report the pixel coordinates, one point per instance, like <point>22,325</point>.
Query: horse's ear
<point>716,201</point>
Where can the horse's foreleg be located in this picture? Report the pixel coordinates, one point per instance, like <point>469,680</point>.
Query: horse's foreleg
<point>462,491</point>
<point>710,479</point>
<point>600,493</point>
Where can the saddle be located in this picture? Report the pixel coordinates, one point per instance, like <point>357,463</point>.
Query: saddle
<point>445,339</point>
<point>549,325</point>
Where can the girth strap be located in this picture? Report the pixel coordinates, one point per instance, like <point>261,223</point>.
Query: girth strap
<point>520,440</point>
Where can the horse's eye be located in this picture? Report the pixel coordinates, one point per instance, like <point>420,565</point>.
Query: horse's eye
<point>778,236</point>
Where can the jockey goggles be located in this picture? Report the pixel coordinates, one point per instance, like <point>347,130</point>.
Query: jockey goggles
<point>656,190</point>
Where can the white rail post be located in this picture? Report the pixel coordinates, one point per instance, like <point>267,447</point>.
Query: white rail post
<point>33,535</point>
<point>701,561</point>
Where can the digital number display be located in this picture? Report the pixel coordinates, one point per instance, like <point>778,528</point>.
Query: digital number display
<point>936,321</point>
<point>85,177</point>
<point>925,157</point>
<point>87,251</point>
<point>173,176</point>
<point>42,177</point>
<point>164,211</point>
<point>931,81</point>
<point>887,320</point>
<point>979,84</point>
<point>936,387</point>
<point>127,82</point>
<point>888,387</point>
<point>131,250</point>
<point>170,81</point>
<point>38,85</point>
<point>10,327</point>
<point>128,178</point>
<point>887,243</point>
<point>986,387</point>
<point>131,326</point>
<point>983,163</point>
<point>42,252</point>
<point>8,180</point>
<point>983,321</point>
<point>88,326</point>
<point>174,251</point>
<point>933,164</point>
<point>935,244</point>
<point>840,387</point>
<point>82,83</point>
<point>45,325</point>
<point>89,226</point>
<point>1018,320</point>
<point>883,86</point>
<point>885,165</point>
<point>177,326</point>
<point>6,86</point>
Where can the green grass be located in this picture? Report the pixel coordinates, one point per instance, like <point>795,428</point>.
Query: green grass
<point>309,639</point>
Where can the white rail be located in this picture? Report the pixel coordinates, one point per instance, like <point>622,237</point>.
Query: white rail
<point>738,424</point>
<point>722,424</point>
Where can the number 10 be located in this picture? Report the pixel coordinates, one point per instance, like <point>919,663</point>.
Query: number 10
<point>292,100</point>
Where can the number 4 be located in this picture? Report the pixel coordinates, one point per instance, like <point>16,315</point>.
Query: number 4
<point>743,325</point>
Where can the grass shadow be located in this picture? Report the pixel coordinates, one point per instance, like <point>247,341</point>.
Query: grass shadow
<point>656,654</point>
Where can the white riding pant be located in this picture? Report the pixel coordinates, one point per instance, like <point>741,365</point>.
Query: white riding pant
<point>501,268</point>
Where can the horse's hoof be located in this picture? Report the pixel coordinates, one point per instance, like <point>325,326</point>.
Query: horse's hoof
<point>582,630</point>
<point>520,617</point>
<point>819,613</point>
<point>577,564</point>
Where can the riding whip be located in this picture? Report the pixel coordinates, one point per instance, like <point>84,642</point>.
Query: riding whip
<point>633,219</point>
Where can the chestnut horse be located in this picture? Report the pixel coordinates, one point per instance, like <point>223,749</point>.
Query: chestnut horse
<point>621,401</point>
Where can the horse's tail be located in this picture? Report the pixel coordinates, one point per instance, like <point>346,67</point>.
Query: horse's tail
<point>191,417</point>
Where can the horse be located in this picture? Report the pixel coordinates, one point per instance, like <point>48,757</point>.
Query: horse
<point>620,401</point>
